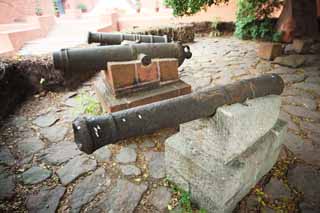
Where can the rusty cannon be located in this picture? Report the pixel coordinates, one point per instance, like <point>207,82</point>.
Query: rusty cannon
<point>95,132</point>
<point>96,58</point>
<point>117,38</point>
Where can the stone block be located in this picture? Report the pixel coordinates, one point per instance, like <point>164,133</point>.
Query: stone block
<point>270,51</point>
<point>302,46</point>
<point>214,183</point>
<point>168,69</point>
<point>215,186</point>
<point>236,127</point>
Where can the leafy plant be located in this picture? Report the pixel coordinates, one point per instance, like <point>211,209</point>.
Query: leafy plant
<point>38,10</point>
<point>55,6</point>
<point>202,211</point>
<point>253,16</point>
<point>184,199</point>
<point>189,7</point>
<point>82,7</point>
<point>215,23</point>
<point>88,105</point>
<point>254,19</point>
<point>138,4</point>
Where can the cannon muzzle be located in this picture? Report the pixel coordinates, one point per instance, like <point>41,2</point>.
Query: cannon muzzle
<point>96,58</point>
<point>117,38</point>
<point>95,132</point>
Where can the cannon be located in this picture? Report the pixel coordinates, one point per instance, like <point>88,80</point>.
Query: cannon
<point>96,58</point>
<point>117,38</point>
<point>94,132</point>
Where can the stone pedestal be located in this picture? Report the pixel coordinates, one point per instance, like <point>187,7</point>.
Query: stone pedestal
<point>269,51</point>
<point>219,159</point>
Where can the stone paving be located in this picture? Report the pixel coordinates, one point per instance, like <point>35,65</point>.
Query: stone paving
<point>43,171</point>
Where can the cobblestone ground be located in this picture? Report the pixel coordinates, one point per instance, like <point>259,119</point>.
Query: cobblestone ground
<point>43,171</point>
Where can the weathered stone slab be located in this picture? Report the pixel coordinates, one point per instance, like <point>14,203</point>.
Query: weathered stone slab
<point>302,46</point>
<point>54,133</point>
<point>310,127</point>
<point>306,180</point>
<point>74,168</point>
<point>147,143</point>
<point>195,157</point>
<point>88,189</point>
<point>293,142</point>
<point>214,185</point>
<point>7,185</point>
<point>72,102</point>
<point>130,170</point>
<point>160,198</point>
<point>311,87</point>
<point>292,91</point>
<point>156,164</point>
<point>102,154</point>
<point>292,78</point>
<point>238,127</point>
<point>35,175</point>
<point>313,79</point>
<point>302,101</point>
<point>276,189</point>
<point>29,146</point>
<point>46,120</point>
<point>60,153</point>
<point>6,156</point>
<point>124,197</point>
<point>126,155</point>
<point>46,201</point>
<point>269,51</point>
<point>301,112</point>
<point>286,117</point>
<point>293,61</point>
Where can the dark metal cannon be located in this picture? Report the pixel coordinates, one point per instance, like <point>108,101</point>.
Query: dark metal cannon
<point>117,38</point>
<point>96,58</point>
<point>95,132</point>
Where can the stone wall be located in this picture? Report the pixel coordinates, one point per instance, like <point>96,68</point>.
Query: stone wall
<point>17,10</point>
<point>185,32</point>
<point>182,32</point>
<point>20,78</point>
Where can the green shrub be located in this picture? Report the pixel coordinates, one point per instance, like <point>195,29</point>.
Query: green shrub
<point>254,19</point>
<point>82,7</point>
<point>189,7</point>
<point>88,105</point>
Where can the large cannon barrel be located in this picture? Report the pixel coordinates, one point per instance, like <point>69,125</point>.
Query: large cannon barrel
<point>117,38</point>
<point>96,58</point>
<point>95,132</point>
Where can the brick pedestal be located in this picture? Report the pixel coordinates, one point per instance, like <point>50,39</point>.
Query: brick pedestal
<point>219,159</point>
<point>112,104</point>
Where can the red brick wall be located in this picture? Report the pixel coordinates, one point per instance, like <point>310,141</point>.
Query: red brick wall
<point>11,10</point>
